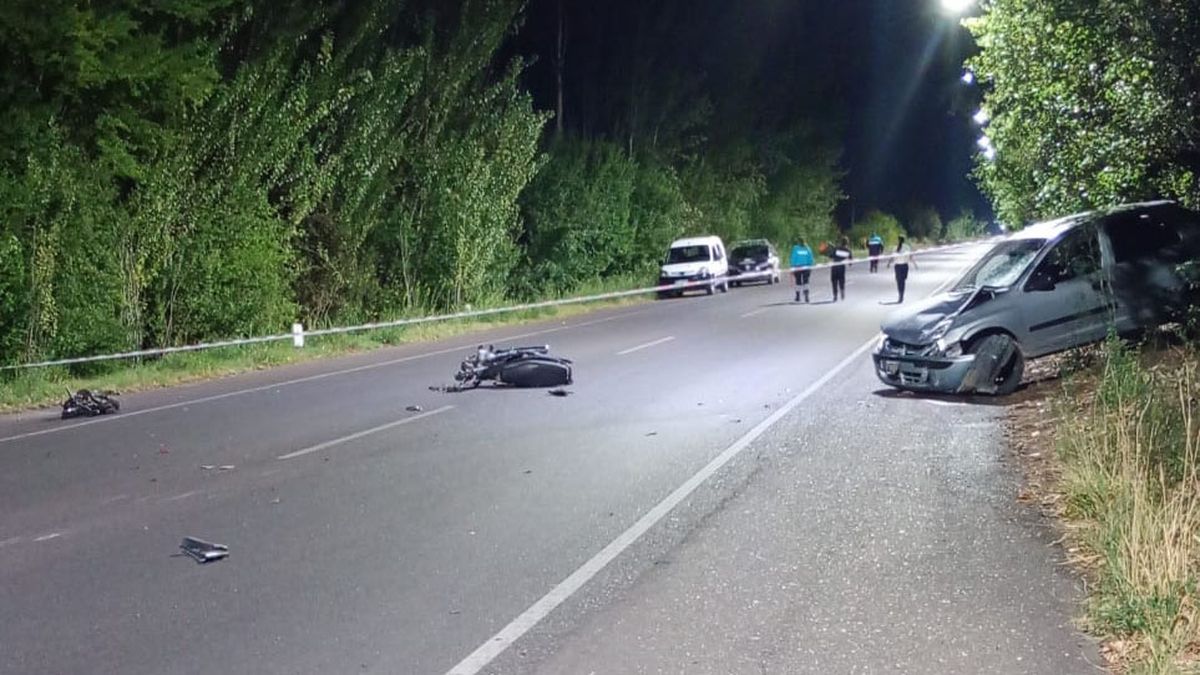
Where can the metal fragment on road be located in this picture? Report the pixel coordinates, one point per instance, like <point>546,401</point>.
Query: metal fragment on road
<point>561,392</point>
<point>414,408</point>
<point>203,551</point>
<point>208,467</point>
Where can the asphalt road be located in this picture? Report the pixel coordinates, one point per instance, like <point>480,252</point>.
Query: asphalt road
<point>368,538</point>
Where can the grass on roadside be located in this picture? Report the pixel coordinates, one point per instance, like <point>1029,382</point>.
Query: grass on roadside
<point>46,386</point>
<point>1131,476</point>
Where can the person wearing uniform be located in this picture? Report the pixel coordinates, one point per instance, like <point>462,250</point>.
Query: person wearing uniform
<point>801,261</point>
<point>841,256</point>
<point>875,249</point>
<point>903,259</point>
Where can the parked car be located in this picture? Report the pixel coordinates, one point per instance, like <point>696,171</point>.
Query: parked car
<point>753,260</point>
<point>695,259</point>
<point>1050,287</point>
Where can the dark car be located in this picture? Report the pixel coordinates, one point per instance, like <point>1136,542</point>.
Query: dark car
<point>752,261</point>
<point>1050,287</point>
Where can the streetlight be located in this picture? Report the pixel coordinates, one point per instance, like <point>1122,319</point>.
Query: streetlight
<point>957,7</point>
<point>968,77</point>
<point>981,117</point>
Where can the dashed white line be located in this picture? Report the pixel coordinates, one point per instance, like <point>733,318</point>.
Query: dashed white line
<point>10,540</point>
<point>114,498</point>
<point>646,346</point>
<point>754,313</point>
<point>48,537</point>
<point>300,380</point>
<point>185,495</point>
<point>365,432</point>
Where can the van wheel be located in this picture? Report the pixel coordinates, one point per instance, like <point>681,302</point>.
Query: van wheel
<point>1000,364</point>
<point>724,286</point>
<point>708,290</point>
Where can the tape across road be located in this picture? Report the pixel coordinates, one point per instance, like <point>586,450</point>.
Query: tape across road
<point>615,295</point>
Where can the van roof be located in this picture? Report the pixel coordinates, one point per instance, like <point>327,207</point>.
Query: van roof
<point>695,241</point>
<point>1051,229</point>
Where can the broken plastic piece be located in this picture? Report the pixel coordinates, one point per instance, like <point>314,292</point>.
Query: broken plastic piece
<point>560,392</point>
<point>414,408</point>
<point>203,551</point>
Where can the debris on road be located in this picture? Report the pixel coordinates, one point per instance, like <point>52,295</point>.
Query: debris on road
<point>226,467</point>
<point>561,392</point>
<point>414,408</point>
<point>652,433</point>
<point>207,467</point>
<point>203,551</point>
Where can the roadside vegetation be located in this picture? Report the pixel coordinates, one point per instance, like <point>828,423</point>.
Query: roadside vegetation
<point>1129,445</point>
<point>1090,105</point>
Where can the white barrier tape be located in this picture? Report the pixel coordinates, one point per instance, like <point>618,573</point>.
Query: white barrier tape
<point>298,336</point>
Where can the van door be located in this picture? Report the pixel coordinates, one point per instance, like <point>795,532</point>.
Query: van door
<point>1065,300</point>
<point>1145,250</point>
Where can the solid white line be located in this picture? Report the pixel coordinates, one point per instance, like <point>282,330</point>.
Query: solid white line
<point>301,380</point>
<point>494,646</point>
<point>365,432</point>
<point>10,540</point>
<point>488,651</point>
<point>48,537</point>
<point>756,312</point>
<point>646,346</point>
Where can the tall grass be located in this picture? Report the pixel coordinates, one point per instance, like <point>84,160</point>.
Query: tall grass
<point>1131,459</point>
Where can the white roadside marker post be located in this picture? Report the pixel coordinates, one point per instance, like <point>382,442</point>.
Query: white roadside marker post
<point>297,335</point>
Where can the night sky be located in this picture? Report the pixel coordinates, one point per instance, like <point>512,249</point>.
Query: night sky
<point>881,75</point>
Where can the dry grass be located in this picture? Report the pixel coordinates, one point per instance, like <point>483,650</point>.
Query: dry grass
<point>1130,480</point>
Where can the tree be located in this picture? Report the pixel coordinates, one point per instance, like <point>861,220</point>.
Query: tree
<point>1091,103</point>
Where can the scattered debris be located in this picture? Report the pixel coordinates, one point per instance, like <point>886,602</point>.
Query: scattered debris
<point>203,551</point>
<point>414,408</point>
<point>737,420</point>
<point>208,467</point>
<point>652,433</point>
<point>226,467</point>
<point>163,450</point>
<point>528,471</point>
<point>560,392</point>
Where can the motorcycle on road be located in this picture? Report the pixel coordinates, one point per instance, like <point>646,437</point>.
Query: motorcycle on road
<point>85,403</point>
<point>515,367</point>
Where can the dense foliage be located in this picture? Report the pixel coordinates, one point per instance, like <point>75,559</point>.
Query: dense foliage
<point>198,169</point>
<point>1091,103</point>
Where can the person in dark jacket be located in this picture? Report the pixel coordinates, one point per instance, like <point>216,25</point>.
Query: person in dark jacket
<point>875,249</point>
<point>840,255</point>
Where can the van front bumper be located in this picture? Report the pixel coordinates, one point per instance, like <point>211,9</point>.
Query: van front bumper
<point>948,375</point>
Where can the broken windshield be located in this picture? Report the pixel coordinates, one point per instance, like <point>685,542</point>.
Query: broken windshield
<point>1002,266</point>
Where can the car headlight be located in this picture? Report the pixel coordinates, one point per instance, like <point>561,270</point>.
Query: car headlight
<point>949,350</point>
<point>939,330</point>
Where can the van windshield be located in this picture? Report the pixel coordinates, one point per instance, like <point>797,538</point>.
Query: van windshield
<point>1002,266</point>
<point>688,254</point>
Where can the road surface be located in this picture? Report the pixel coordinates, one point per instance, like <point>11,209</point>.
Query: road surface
<point>366,537</point>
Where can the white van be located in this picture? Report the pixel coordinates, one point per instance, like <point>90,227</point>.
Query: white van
<point>695,259</point>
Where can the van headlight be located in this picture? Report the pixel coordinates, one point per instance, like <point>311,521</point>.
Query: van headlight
<point>939,330</point>
<point>949,350</point>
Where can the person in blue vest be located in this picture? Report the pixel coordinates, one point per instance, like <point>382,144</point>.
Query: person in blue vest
<point>875,249</point>
<point>801,261</point>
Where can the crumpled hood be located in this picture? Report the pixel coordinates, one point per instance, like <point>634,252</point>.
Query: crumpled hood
<point>686,269</point>
<point>913,324</point>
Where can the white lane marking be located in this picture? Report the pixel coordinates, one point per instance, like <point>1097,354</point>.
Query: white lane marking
<point>114,498</point>
<point>10,540</point>
<point>494,646</point>
<point>301,380</point>
<point>365,432</point>
<point>48,537</point>
<point>182,496</point>
<point>754,313</point>
<point>646,346</point>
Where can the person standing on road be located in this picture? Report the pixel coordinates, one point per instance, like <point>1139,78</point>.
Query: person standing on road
<point>801,261</point>
<point>841,255</point>
<point>875,249</point>
<point>903,259</point>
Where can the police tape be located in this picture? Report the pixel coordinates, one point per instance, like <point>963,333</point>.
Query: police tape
<point>298,334</point>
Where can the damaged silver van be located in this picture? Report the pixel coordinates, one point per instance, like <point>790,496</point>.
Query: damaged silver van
<point>1050,287</point>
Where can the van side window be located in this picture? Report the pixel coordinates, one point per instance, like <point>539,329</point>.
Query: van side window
<point>1077,255</point>
<point>718,254</point>
<point>1146,236</point>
